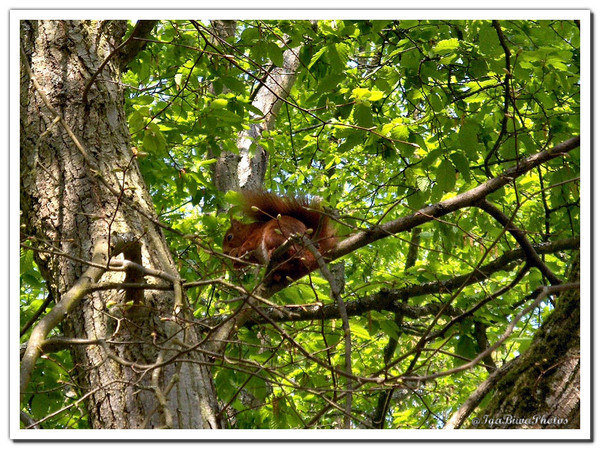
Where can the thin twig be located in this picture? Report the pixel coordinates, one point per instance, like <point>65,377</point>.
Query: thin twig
<point>532,256</point>
<point>544,292</point>
<point>337,296</point>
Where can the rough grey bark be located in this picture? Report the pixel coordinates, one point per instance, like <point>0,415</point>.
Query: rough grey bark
<point>73,196</point>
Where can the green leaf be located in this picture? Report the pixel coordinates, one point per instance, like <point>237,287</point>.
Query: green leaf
<point>445,176</point>
<point>363,116</point>
<point>466,347</point>
<point>39,406</point>
<point>488,40</point>
<point>136,121</point>
<point>524,343</point>
<point>462,164</point>
<point>479,67</point>
<point>417,200</point>
<point>219,103</point>
<point>177,78</point>
<point>207,162</point>
<point>359,331</point>
<point>396,130</point>
<point>317,56</point>
<point>275,53</point>
<point>375,95</point>
<point>227,116</point>
<point>334,58</point>
<point>360,93</point>
<point>329,82</point>
<point>150,142</point>
<point>469,140</point>
<point>258,388</point>
<point>234,84</point>
<point>143,100</point>
<point>390,328</point>
<point>423,184</point>
<point>436,102</point>
<point>446,46</point>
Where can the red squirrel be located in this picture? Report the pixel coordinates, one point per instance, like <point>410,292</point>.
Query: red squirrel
<point>276,219</point>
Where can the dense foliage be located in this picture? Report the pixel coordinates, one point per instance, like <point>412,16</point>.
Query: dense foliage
<point>384,118</point>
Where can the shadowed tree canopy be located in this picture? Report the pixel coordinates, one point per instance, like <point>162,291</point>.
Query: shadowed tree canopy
<point>446,153</point>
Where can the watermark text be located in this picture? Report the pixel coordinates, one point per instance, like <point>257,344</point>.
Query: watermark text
<point>509,420</point>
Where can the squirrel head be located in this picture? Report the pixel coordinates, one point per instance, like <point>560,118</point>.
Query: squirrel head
<point>234,237</point>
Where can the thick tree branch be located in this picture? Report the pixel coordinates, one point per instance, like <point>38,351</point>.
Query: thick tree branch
<point>458,418</point>
<point>390,299</point>
<point>126,51</point>
<point>466,199</point>
<point>68,301</point>
<point>136,43</point>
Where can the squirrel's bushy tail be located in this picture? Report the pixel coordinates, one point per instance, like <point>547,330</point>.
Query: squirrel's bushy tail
<point>265,206</point>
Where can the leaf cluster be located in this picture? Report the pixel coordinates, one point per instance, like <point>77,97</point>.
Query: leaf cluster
<point>384,118</point>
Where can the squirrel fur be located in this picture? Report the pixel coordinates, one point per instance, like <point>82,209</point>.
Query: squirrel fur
<point>275,220</point>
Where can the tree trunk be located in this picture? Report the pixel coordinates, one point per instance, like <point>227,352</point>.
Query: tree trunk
<point>540,388</point>
<point>543,384</point>
<point>247,169</point>
<point>80,184</point>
